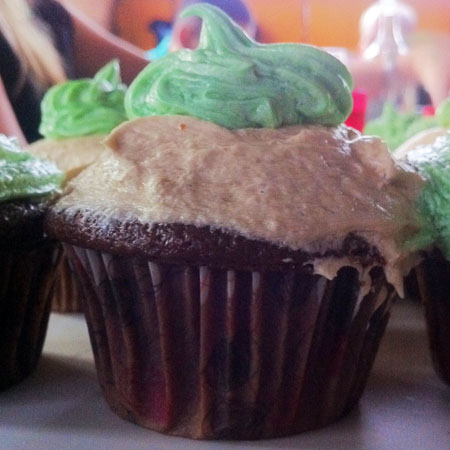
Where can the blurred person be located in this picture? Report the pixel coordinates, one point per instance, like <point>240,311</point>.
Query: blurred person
<point>43,43</point>
<point>29,64</point>
<point>94,46</point>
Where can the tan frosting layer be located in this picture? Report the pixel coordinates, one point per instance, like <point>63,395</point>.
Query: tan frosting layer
<point>71,155</point>
<point>302,186</point>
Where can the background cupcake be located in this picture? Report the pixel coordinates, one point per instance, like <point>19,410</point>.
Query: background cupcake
<point>76,116</point>
<point>237,266</point>
<point>433,162</point>
<point>27,258</point>
<point>404,131</point>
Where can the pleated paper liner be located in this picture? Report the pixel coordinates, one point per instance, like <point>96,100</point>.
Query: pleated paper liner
<point>26,281</point>
<point>433,277</point>
<point>67,291</point>
<point>208,353</point>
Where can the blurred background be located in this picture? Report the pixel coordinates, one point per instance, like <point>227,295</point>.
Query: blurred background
<point>397,51</point>
<point>320,22</point>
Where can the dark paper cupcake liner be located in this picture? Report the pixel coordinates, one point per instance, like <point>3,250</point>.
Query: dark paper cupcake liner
<point>411,286</point>
<point>67,292</point>
<point>433,277</point>
<point>210,353</point>
<point>26,282</point>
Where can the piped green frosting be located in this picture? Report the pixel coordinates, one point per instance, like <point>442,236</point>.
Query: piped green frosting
<point>237,83</point>
<point>433,163</point>
<point>86,106</point>
<point>22,175</point>
<point>396,127</point>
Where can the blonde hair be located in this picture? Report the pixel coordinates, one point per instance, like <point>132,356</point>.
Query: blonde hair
<point>30,41</point>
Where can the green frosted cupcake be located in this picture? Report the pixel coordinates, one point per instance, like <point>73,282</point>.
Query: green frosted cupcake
<point>433,163</point>
<point>237,245</point>
<point>28,259</point>
<point>76,117</point>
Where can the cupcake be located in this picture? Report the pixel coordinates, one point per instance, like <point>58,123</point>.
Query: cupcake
<point>27,258</point>
<point>399,128</point>
<point>239,249</point>
<point>433,163</point>
<point>403,131</point>
<point>76,117</point>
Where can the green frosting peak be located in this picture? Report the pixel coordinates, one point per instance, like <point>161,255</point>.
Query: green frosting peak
<point>236,82</point>
<point>433,163</point>
<point>22,175</point>
<point>84,107</point>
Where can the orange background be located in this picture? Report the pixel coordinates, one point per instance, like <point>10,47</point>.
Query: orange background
<point>332,22</point>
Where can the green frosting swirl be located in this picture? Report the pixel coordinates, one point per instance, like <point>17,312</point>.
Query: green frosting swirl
<point>433,163</point>
<point>237,83</point>
<point>84,107</point>
<point>22,175</point>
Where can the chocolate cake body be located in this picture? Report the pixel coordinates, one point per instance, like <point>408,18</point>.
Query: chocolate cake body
<point>188,244</point>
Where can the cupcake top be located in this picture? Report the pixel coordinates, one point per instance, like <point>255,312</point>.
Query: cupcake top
<point>262,190</point>
<point>299,187</point>
<point>77,115</point>
<point>86,106</point>
<point>22,176</point>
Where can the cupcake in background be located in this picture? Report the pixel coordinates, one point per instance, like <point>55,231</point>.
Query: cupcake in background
<point>433,274</point>
<point>406,131</point>
<point>28,259</point>
<point>399,129</point>
<point>76,117</point>
<point>238,246</point>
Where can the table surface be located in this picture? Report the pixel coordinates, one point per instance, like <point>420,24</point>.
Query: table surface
<point>60,406</point>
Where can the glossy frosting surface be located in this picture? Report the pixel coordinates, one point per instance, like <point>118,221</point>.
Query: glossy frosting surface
<point>302,186</point>
<point>24,176</point>
<point>237,83</point>
<point>86,106</point>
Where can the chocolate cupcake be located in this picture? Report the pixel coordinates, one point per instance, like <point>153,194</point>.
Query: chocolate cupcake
<point>76,117</point>
<point>27,258</point>
<point>237,275</point>
<point>433,163</point>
